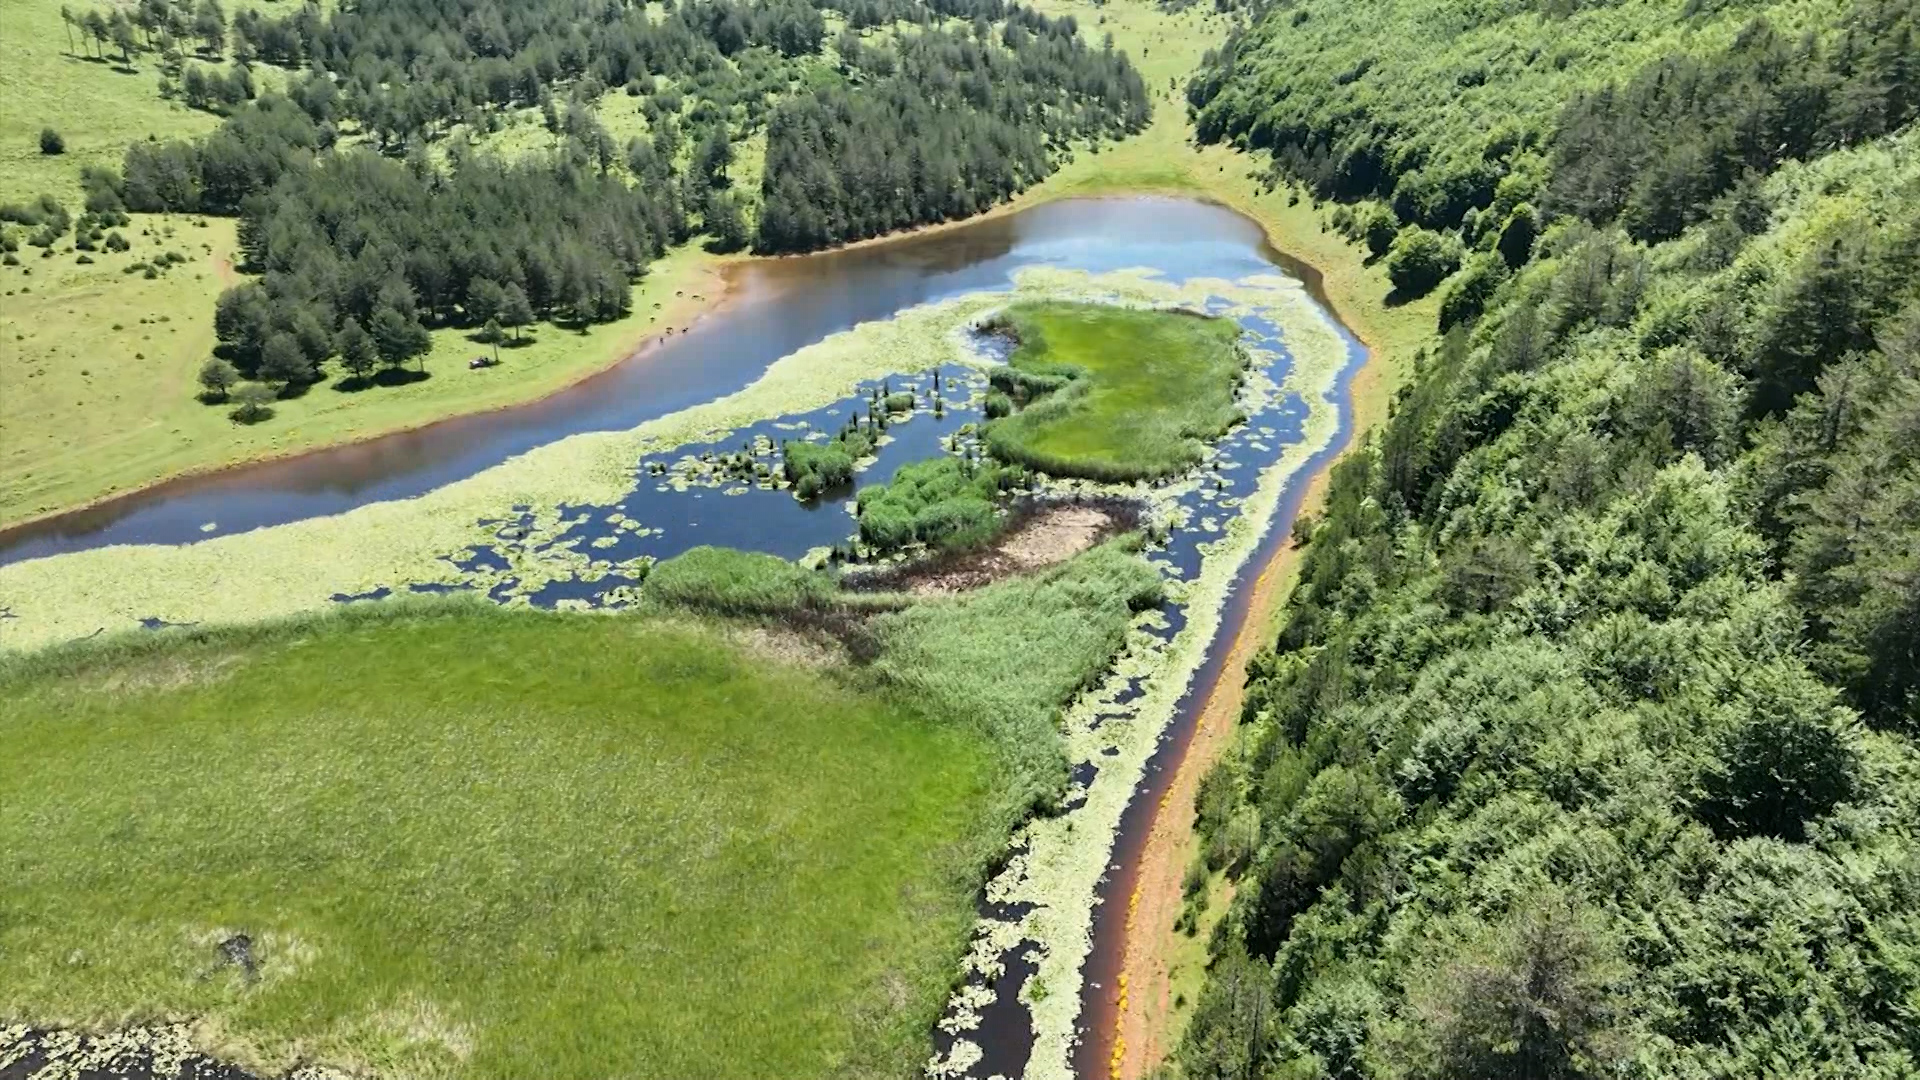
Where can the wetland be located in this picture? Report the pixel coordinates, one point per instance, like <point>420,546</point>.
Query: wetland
<point>1069,650</point>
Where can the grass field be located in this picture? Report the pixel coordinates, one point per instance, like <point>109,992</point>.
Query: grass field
<point>1144,389</point>
<point>487,844</point>
<point>98,393</point>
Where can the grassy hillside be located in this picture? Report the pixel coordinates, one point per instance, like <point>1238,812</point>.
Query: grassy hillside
<point>97,105</point>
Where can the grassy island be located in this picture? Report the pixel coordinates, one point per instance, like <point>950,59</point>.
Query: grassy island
<point>1114,393</point>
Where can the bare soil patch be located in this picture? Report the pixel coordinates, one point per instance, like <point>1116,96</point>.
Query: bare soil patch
<point>1039,534</point>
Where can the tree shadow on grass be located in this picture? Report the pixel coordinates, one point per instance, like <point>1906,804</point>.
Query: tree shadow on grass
<point>1398,297</point>
<point>400,376</point>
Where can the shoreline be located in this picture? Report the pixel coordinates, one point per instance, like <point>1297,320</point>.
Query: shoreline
<point>719,268</point>
<point>1143,1026</point>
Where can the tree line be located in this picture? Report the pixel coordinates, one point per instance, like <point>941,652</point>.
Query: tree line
<point>372,213</point>
<point>943,126</point>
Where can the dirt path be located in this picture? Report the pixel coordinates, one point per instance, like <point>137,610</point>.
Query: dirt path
<point>1144,1034</point>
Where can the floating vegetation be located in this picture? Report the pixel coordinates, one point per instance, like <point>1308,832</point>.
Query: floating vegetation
<point>559,491</point>
<point>1040,908</point>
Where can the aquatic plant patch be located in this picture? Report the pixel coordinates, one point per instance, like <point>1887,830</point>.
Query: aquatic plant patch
<point>1035,933</point>
<point>1114,393</point>
<point>945,503</point>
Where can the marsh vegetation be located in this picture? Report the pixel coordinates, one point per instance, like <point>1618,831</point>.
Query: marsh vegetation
<point>539,843</point>
<point>1113,393</point>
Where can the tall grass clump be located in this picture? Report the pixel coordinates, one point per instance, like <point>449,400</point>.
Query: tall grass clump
<point>728,582</point>
<point>1009,656</point>
<point>1111,393</point>
<point>946,503</point>
<point>814,468</point>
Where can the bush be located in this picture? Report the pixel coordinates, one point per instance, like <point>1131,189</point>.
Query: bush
<point>813,468</point>
<point>1788,759</point>
<point>218,377</point>
<point>254,401</point>
<point>1420,260</point>
<point>998,405</point>
<point>51,142</point>
<point>1472,290</point>
<point>1379,228</point>
<point>729,582</point>
<point>945,502</point>
<point>898,403</point>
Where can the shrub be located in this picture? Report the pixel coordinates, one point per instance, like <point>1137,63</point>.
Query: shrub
<point>998,405</point>
<point>254,403</point>
<point>51,142</point>
<point>1788,758</point>
<point>1421,259</point>
<point>945,502</point>
<point>816,467</point>
<point>218,377</point>
<point>1378,228</point>
<point>1472,290</point>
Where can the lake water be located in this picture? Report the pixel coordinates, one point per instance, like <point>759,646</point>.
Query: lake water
<point>774,307</point>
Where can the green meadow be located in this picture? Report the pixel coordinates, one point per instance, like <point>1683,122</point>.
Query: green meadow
<point>1115,393</point>
<point>465,840</point>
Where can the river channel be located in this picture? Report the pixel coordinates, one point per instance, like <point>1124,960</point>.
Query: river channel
<point>703,491</point>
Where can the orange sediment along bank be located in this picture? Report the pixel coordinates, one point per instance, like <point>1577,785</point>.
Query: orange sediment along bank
<point>1144,1008</point>
<point>1146,1017</point>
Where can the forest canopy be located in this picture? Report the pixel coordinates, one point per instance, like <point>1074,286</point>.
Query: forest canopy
<point>1587,744</point>
<point>375,206</point>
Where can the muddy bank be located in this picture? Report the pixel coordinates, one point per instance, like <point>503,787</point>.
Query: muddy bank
<point>1038,533</point>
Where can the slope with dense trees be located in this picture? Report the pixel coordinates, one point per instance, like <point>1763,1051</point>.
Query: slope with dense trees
<point>373,211</point>
<point>1587,747</point>
<point>1475,120</point>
